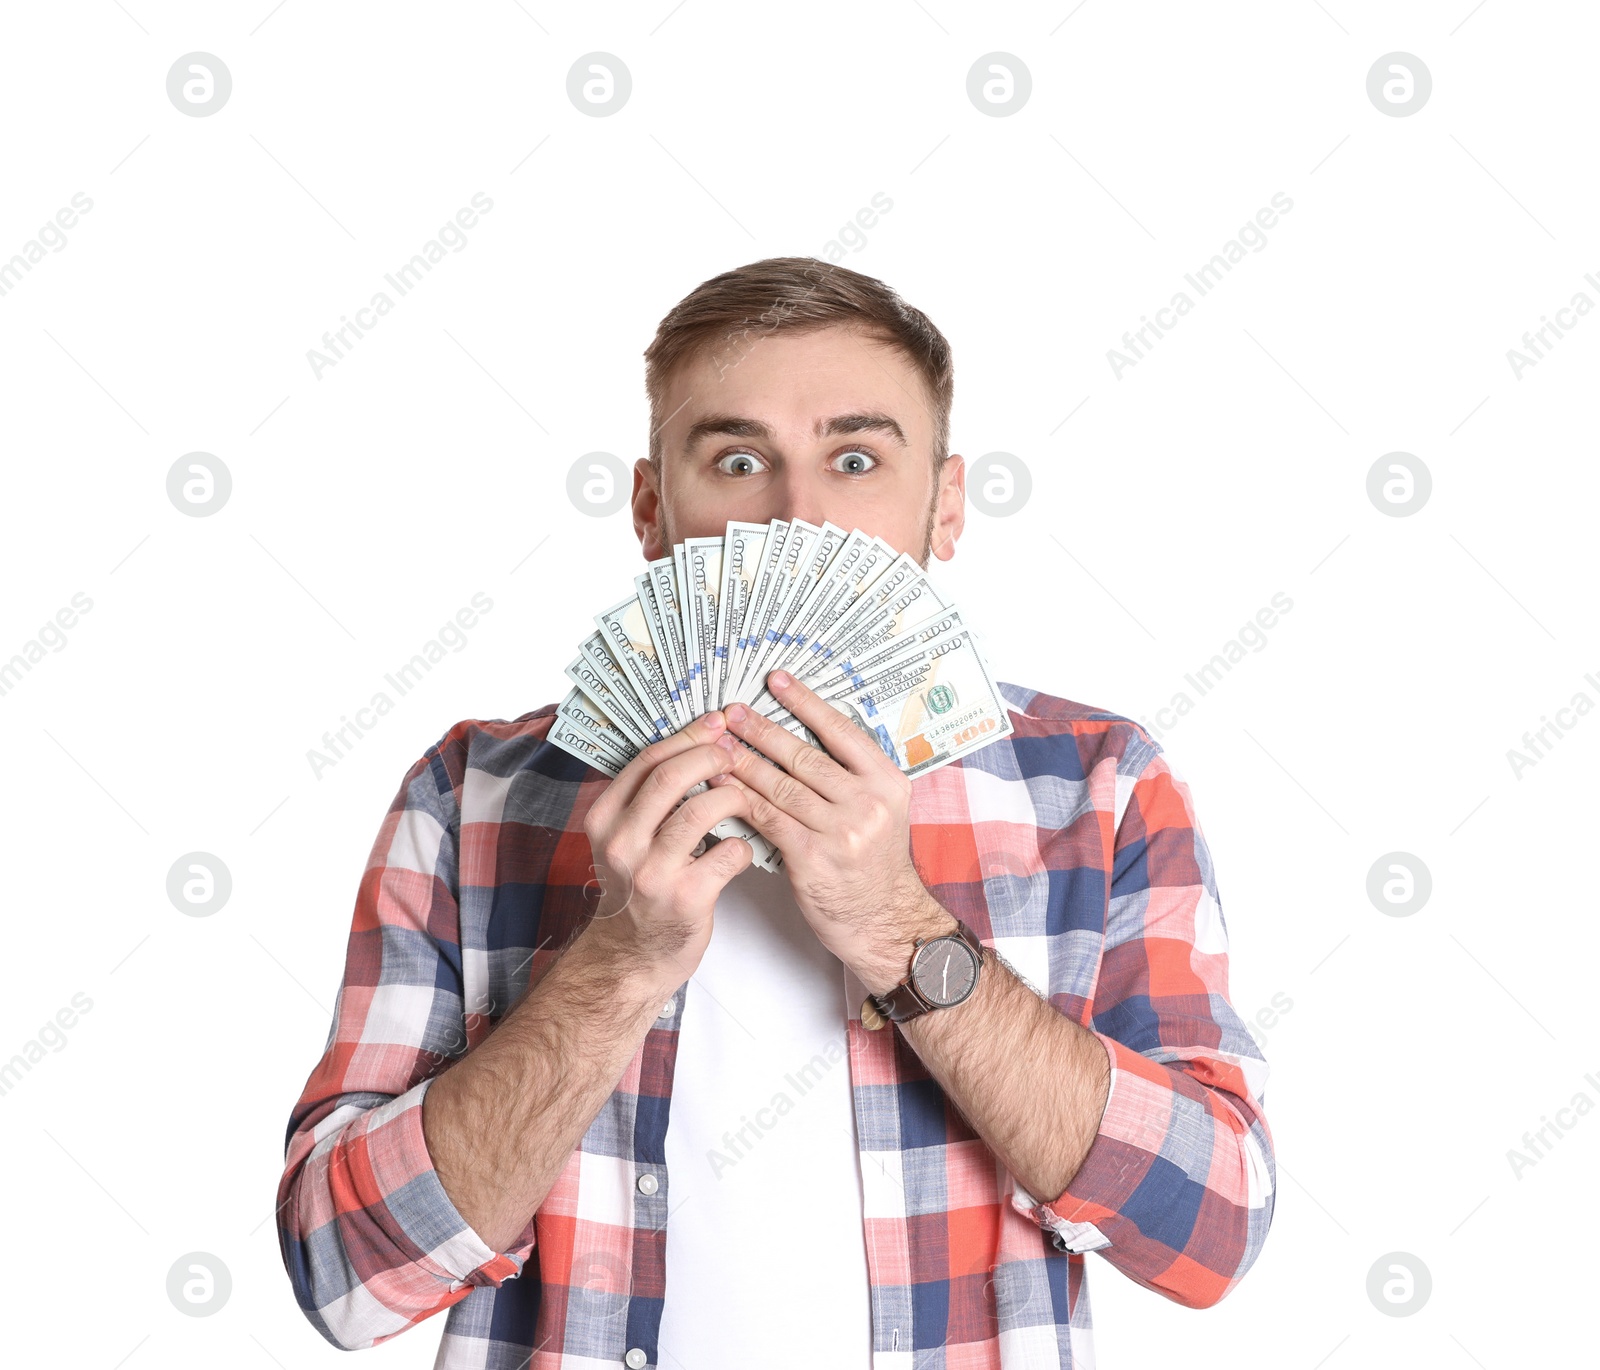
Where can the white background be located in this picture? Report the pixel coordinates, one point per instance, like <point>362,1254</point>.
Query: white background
<point>1230,464</point>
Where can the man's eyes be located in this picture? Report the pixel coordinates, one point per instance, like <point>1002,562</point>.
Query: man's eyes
<point>749,460</point>
<point>856,456</point>
<point>853,461</point>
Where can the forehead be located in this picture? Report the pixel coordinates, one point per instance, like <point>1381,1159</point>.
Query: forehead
<point>796,381</point>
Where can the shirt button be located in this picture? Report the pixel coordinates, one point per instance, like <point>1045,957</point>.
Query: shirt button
<point>648,1184</point>
<point>635,1359</point>
<point>666,1012</point>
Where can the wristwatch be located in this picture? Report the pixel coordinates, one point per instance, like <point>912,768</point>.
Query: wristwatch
<point>944,973</point>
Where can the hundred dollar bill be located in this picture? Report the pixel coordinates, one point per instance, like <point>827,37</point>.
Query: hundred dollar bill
<point>686,642</point>
<point>596,671</point>
<point>627,636</point>
<point>915,600</point>
<point>806,563</point>
<point>862,673</point>
<point>589,680</point>
<point>785,569</point>
<point>778,533</point>
<point>744,553</point>
<point>859,563</point>
<point>657,588</point>
<point>820,652</point>
<point>899,598</point>
<point>937,706</point>
<point>701,574</point>
<point>578,708</point>
<point>577,740</point>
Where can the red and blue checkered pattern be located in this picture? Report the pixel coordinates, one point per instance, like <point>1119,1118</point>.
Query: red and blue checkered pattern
<point>1069,847</point>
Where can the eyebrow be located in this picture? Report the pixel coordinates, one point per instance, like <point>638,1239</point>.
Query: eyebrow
<point>737,426</point>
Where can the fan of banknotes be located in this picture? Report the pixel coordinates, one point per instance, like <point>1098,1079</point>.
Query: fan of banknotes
<point>843,612</point>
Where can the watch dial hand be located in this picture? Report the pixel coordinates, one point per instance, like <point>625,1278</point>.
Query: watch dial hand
<point>944,992</point>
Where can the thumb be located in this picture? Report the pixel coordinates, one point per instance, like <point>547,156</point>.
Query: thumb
<point>732,855</point>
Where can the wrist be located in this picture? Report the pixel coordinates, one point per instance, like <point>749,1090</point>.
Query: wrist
<point>888,962</point>
<point>628,974</point>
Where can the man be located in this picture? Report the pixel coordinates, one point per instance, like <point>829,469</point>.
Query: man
<point>613,1097</point>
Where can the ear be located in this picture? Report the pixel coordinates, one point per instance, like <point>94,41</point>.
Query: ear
<point>950,517</point>
<point>646,501</point>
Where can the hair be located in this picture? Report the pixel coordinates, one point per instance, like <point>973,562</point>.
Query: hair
<point>728,314</point>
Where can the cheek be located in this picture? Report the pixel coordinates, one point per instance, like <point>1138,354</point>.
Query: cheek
<point>692,509</point>
<point>896,511</point>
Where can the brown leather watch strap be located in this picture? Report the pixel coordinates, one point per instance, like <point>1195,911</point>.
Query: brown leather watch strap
<point>903,1002</point>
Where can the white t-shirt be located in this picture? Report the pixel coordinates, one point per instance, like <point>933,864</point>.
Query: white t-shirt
<point>766,1260</point>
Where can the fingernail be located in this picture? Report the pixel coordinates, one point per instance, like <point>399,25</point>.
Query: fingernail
<point>736,713</point>
<point>728,741</point>
<point>715,720</point>
<point>779,680</point>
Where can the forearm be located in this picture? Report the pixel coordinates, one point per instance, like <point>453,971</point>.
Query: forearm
<point>1030,1081</point>
<point>502,1122</point>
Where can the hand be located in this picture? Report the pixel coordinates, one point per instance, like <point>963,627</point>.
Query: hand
<point>657,898</point>
<point>842,820</point>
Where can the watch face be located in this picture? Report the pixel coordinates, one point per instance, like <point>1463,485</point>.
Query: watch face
<point>945,971</point>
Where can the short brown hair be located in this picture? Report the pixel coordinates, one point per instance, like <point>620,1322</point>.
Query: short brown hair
<point>727,313</point>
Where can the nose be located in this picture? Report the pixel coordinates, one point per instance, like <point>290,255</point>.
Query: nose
<point>798,497</point>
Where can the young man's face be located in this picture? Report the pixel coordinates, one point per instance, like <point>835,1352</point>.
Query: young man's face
<point>827,425</point>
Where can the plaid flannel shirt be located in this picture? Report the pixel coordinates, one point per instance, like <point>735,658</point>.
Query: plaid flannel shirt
<point>1069,847</point>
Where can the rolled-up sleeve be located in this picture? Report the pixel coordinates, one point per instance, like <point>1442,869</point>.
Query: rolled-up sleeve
<point>371,1242</point>
<point>1177,1188</point>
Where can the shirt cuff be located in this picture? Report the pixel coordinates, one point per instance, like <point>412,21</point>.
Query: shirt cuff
<point>1068,1218</point>
<point>404,1174</point>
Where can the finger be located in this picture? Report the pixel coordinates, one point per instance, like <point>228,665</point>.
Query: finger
<point>708,873</point>
<point>787,794</point>
<point>810,765</point>
<point>664,789</point>
<point>694,818</point>
<point>849,746</point>
<point>763,814</point>
<point>620,792</point>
